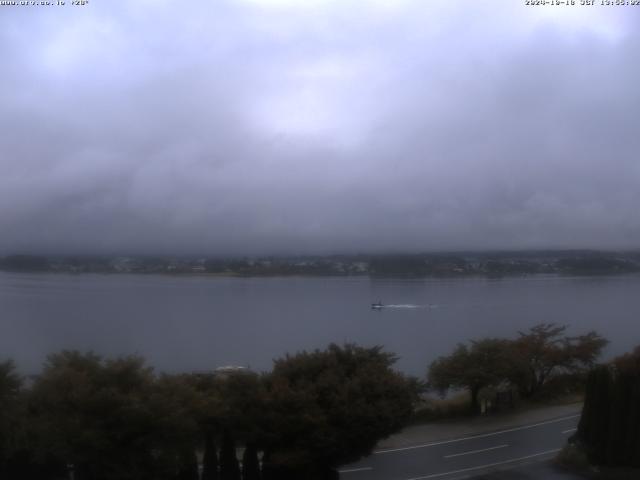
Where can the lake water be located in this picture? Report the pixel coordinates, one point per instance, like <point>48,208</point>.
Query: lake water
<point>198,323</point>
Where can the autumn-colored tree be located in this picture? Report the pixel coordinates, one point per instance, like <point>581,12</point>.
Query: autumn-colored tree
<point>544,351</point>
<point>481,364</point>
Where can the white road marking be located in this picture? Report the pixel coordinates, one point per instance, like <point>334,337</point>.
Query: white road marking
<point>472,437</point>
<point>352,470</point>
<point>475,451</point>
<point>488,465</point>
<point>569,430</point>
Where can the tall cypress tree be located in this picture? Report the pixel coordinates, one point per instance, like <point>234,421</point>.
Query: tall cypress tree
<point>634,423</point>
<point>625,443</point>
<point>610,424</point>
<point>229,467</point>
<point>188,465</point>
<point>614,450</point>
<point>210,459</point>
<point>250,463</point>
<point>267,467</point>
<point>593,429</point>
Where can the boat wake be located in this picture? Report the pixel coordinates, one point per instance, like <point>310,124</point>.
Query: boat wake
<point>410,305</point>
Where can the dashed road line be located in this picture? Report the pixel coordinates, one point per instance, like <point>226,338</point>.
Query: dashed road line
<point>354,470</point>
<point>488,465</point>
<point>475,451</point>
<point>473,437</point>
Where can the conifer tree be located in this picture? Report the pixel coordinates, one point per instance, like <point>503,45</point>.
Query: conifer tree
<point>609,427</point>
<point>188,465</point>
<point>10,385</point>
<point>594,423</point>
<point>250,463</point>
<point>625,432</point>
<point>229,467</point>
<point>210,459</point>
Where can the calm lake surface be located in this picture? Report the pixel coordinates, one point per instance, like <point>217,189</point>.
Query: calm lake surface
<point>197,323</point>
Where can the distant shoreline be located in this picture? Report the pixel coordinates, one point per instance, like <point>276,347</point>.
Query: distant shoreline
<point>461,265</point>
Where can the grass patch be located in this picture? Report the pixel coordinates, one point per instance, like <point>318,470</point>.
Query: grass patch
<point>432,408</point>
<point>457,405</point>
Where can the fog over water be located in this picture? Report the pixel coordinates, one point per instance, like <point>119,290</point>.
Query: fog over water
<point>199,323</point>
<point>274,126</point>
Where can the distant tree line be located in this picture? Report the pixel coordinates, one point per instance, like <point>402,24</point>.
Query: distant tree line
<point>497,265</point>
<point>115,419</point>
<point>609,429</point>
<point>24,263</point>
<point>528,364</point>
<point>491,264</point>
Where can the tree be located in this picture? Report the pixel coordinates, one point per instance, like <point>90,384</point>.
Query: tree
<point>210,458</point>
<point>188,465</point>
<point>175,401</point>
<point>250,463</point>
<point>10,385</point>
<point>24,263</point>
<point>232,404</point>
<point>543,351</point>
<point>207,412</point>
<point>106,418</point>
<point>241,405</point>
<point>327,408</point>
<point>527,362</point>
<point>484,363</point>
<point>10,382</point>
<point>229,467</point>
<point>626,449</point>
<point>609,428</point>
<point>594,421</point>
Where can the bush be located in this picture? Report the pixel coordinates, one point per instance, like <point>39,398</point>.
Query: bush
<point>574,458</point>
<point>563,385</point>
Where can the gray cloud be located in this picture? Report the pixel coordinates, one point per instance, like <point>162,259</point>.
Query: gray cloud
<point>260,127</point>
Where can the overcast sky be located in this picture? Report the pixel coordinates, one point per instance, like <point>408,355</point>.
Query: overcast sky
<point>317,126</point>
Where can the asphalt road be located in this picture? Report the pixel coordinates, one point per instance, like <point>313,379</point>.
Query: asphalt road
<point>467,457</point>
